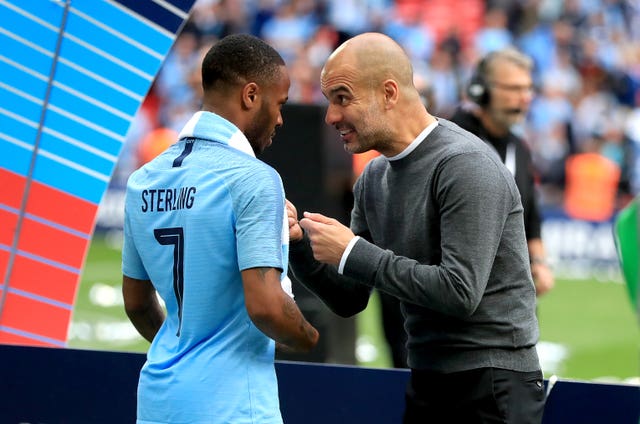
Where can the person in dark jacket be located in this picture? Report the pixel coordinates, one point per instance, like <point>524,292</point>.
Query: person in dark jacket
<point>501,90</point>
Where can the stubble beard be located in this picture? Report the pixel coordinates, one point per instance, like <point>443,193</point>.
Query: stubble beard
<point>257,133</point>
<point>372,135</point>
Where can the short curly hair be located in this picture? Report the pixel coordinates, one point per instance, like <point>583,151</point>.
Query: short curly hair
<point>238,59</point>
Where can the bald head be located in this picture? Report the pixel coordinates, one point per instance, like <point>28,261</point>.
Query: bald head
<point>373,103</point>
<point>376,57</point>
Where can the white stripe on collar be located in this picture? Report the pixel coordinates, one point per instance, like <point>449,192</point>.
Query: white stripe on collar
<point>211,126</point>
<point>240,142</point>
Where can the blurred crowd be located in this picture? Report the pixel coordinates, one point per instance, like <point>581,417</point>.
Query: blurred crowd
<point>586,55</point>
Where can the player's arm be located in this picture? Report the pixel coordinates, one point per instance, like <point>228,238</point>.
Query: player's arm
<point>142,306</point>
<point>274,312</point>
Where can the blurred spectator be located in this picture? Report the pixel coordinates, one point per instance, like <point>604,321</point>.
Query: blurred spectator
<point>352,17</point>
<point>235,16</point>
<point>445,82</point>
<point>227,17</point>
<point>305,70</point>
<point>290,28</point>
<point>171,84</point>
<point>561,75</point>
<point>154,143</point>
<point>141,125</point>
<point>207,18</point>
<point>594,104</point>
<point>549,129</point>
<point>538,42</point>
<point>304,76</point>
<point>263,11</point>
<point>322,43</point>
<point>591,184</point>
<point>494,35</point>
<point>409,30</point>
<point>586,55</point>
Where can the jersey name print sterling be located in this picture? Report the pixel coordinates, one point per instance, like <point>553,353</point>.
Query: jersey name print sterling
<point>197,215</point>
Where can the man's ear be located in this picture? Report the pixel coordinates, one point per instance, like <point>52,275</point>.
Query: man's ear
<point>391,92</point>
<point>250,94</point>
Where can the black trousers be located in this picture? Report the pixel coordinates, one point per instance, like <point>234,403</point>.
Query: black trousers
<point>484,395</point>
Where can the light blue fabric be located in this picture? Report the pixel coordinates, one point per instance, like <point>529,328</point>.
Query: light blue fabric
<point>212,365</point>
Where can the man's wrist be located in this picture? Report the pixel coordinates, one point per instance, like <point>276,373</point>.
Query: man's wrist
<point>538,260</point>
<point>345,254</point>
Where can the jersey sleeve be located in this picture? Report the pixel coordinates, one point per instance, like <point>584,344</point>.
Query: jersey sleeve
<point>131,261</point>
<point>260,219</point>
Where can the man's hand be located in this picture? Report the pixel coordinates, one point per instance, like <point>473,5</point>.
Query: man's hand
<point>542,277</point>
<point>329,238</point>
<point>540,270</point>
<point>295,232</point>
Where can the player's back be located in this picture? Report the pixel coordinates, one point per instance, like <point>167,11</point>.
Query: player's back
<point>182,213</point>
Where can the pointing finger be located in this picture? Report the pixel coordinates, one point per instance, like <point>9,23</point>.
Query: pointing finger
<point>306,224</point>
<point>318,217</point>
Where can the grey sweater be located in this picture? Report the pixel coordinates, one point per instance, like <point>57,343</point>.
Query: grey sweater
<point>442,230</point>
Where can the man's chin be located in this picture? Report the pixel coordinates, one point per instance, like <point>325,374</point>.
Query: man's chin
<point>349,149</point>
<point>354,148</point>
<point>260,148</point>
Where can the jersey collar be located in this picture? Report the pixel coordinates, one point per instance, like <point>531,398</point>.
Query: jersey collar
<point>212,127</point>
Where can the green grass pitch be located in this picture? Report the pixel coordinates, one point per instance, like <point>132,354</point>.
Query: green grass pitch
<point>588,328</point>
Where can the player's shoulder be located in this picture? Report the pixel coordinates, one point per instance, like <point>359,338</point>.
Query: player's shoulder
<point>256,169</point>
<point>252,176</point>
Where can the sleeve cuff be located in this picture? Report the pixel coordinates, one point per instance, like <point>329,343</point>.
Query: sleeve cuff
<point>345,254</point>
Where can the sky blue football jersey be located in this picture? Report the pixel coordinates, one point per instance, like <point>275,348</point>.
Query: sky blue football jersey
<point>195,216</point>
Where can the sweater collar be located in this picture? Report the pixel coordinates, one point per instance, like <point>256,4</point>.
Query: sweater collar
<point>415,143</point>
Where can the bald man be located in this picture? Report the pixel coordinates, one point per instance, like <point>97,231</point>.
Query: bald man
<point>437,223</point>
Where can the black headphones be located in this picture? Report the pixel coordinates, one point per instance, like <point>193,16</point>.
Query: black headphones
<point>478,88</point>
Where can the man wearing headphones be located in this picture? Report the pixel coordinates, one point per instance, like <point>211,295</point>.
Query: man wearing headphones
<point>501,90</point>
